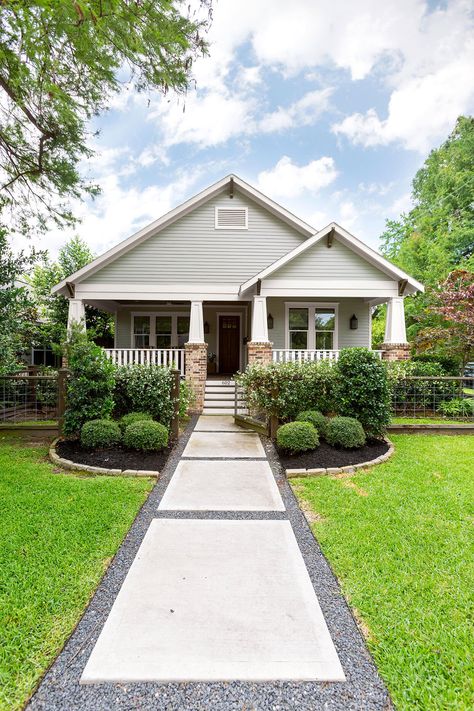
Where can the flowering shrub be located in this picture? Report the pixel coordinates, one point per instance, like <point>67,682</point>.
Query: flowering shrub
<point>286,389</point>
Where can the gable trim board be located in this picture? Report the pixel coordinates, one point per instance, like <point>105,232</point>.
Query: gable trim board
<point>350,241</point>
<point>170,217</point>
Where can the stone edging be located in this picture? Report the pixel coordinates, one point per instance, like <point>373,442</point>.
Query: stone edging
<point>350,469</point>
<point>68,464</point>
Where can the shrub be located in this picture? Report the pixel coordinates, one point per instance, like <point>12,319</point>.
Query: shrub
<point>144,388</point>
<point>285,389</point>
<point>132,417</point>
<point>317,419</point>
<point>410,396</point>
<point>362,389</point>
<point>458,407</point>
<point>90,387</point>
<point>297,437</point>
<point>100,433</point>
<point>345,432</point>
<point>146,436</point>
<point>186,398</point>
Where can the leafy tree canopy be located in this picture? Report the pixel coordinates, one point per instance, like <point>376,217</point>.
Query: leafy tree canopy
<point>53,309</point>
<point>59,65</point>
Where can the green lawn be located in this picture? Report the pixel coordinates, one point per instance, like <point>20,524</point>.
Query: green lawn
<point>58,533</point>
<point>400,539</point>
<point>429,421</point>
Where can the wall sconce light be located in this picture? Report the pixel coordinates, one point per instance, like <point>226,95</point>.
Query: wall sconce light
<point>206,327</point>
<point>354,323</point>
<point>270,321</point>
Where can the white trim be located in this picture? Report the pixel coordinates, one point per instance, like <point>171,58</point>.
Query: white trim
<point>370,325</point>
<point>178,212</point>
<point>152,315</point>
<point>219,208</point>
<point>311,306</point>
<point>350,241</point>
<point>228,313</point>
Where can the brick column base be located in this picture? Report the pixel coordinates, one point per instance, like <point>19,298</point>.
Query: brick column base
<point>196,373</point>
<point>259,353</point>
<point>395,351</point>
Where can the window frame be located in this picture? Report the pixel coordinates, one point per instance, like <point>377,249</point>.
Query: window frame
<point>311,306</point>
<point>152,315</point>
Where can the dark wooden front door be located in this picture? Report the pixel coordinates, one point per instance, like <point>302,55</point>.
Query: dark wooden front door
<point>229,344</point>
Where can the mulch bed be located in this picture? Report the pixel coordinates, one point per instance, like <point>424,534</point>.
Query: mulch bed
<point>326,456</point>
<point>114,458</point>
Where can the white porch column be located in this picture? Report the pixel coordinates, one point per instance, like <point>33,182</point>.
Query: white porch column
<point>395,331</point>
<point>196,323</point>
<point>76,314</point>
<point>259,320</point>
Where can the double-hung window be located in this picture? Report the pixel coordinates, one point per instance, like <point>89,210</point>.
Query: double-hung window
<point>159,330</point>
<point>311,326</point>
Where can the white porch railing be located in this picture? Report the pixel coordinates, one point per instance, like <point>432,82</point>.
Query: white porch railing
<point>289,355</point>
<point>166,357</point>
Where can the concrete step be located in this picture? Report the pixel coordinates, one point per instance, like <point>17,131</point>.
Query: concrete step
<point>220,389</point>
<point>228,382</point>
<point>218,411</point>
<point>211,395</point>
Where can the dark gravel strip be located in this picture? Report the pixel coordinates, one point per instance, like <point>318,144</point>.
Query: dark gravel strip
<point>363,690</point>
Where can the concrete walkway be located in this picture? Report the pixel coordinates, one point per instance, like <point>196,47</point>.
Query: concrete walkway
<point>63,686</point>
<point>214,600</point>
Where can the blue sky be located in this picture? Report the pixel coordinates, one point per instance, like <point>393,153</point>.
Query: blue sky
<point>329,107</point>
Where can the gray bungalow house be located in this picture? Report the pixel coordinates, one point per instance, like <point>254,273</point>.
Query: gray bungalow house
<point>229,278</point>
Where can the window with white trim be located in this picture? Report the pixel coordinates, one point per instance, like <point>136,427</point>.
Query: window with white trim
<point>160,330</point>
<point>311,326</point>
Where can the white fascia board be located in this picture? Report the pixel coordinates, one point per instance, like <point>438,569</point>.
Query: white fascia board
<point>178,212</point>
<point>353,243</point>
<point>158,292</point>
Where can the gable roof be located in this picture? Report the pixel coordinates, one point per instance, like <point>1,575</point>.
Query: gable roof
<point>350,241</point>
<point>155,227</point>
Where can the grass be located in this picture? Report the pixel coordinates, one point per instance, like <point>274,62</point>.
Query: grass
<point>428,421</point>
<point>399,537</point>
<point>58,532</point>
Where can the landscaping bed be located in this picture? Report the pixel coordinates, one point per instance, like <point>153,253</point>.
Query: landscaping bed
<point>113,458</point>
<point>326,456</point>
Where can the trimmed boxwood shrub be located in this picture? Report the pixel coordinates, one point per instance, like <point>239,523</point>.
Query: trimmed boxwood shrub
<point>100,433</point>
<point>132,417</point>
<point>362,389</point>
<point>345,432</point>
<point>297,437</point>
<point>317,419</point>
<point>146,436</point>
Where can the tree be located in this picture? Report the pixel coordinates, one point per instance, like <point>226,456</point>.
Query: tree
<point>60,63</point>
<point>437,235</point>
<point>53,309</point>
<point>454,305</point>
<point>17,311</point>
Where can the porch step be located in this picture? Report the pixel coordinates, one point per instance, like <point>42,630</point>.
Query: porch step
<point>219,398</point>
<point>222,411</point>
<point>229,383</point>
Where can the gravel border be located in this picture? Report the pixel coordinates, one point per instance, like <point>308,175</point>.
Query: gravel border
<point>350,469</point>
<point>363,691</point>
<point>68,464</point>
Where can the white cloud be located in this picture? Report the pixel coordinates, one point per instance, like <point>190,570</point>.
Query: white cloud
<point>288,180</point>
<point>303,112</point>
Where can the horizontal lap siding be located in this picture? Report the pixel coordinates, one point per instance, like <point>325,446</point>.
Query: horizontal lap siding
<point>322,262</point>
<point>192,251</point>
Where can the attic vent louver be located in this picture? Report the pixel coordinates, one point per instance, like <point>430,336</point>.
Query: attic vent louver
<point>231,218</point>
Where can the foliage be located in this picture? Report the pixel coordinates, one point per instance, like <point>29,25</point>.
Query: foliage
<point>297,437</point>
<point>362,389</point>
<point>144,388</point>
<point>399,540</point>
<point>285,389</point>
<point>454,304</point>
<point>100,433</point>
<point>437,235</point>
<point>317,419</point>
<point>187,398</point>
<point>132,417</point>
<point>345,432</point>
<point>146,436</point>
<point>53,309</point>
<point>58,533</point>
<point>61,64</point>
<point>90,386</point>
<point>448,364</point>
<point>17,311</point>
<point>457,407</point>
